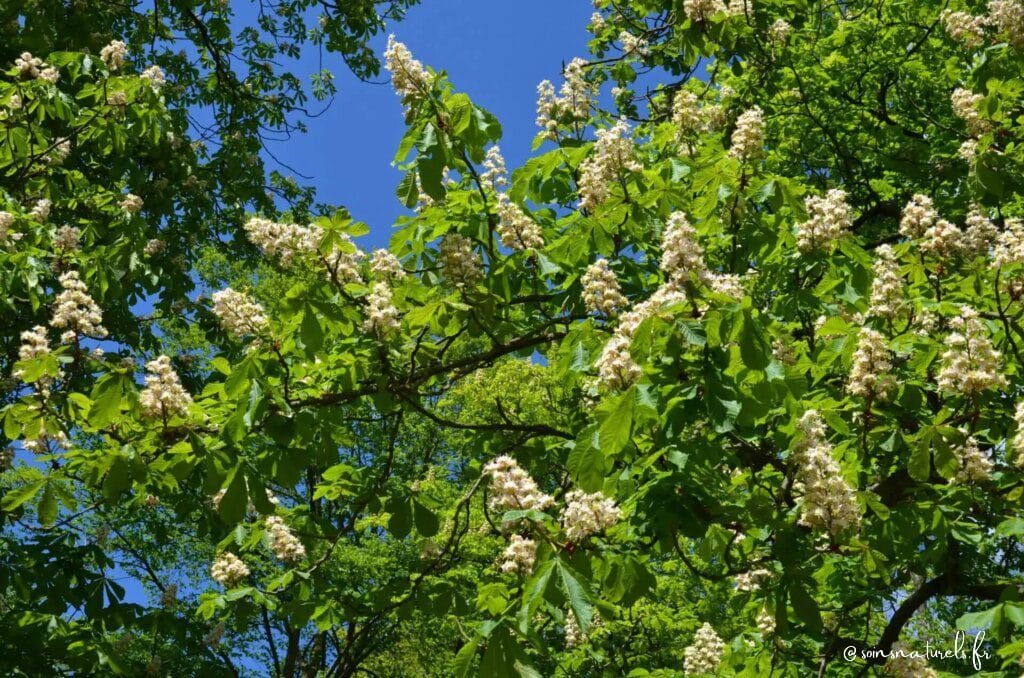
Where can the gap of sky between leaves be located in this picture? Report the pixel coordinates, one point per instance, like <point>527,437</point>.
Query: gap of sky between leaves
<point>496,52</point>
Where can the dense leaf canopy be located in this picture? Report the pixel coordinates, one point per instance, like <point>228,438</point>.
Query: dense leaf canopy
<point>726,379</point>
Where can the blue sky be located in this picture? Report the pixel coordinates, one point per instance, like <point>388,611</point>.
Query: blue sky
<point>496,52</point>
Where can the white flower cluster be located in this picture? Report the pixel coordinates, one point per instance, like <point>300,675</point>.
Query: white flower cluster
<point>667,294</point>
<point>616,368</point>
<point>748,137</point>
<point>495,174</point>
<point>1008,17</point>
<point>131,203</point>
<point>6,458</point>
<point>942,238</point>
<point>632,44</point>
<point>41,210</point>
<point>519,556</point>
<point>574,102</point>
<point>965,106</point>
<point>1009,248</point>
<point>163,396</point>
<point>34,344</point>
<point>512,488</point>
<point>573,634</point>
<point>765,622</point>
<point>964,27</point>
<point>153,246</point>
<point>382,319</point>
<point>517,230</point>
<point>871,371</point>
<point>975,465</point>
<point>968,150</point>
<point>904,663</point>
<point>587,514</point>
<point>729,284</point>
<point>408,76</point>
<point>283,542</point>
<point>597,22</point>
<point>228,570</point>
<point>113,54</point>
<point>386,266</point>
<point>612,154</point>
<point>918,216</point>
<point>970,364</point>
<point>601,292</point>
<point>686,113</point>
<point>980,232</point>
<point>747,582</point>
<point>460,264</point>
<point>1018,438</point>
<point>238,313</point>
<point>66,239</point>
<point>682,257</point>
<point>155,77</point>
<point>830,219</point>
<point>779,31</point>
<point>46,442</point>
<point>705,653</point>
<point>76,310</point>
<point>33,67</point>
<point>829,503</point>
<point>6,221</point>
<point>283,240</point>
<point>341,264</point>
<point>702,10</point>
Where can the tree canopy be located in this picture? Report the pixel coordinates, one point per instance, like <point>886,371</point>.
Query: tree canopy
<point>725,379</point>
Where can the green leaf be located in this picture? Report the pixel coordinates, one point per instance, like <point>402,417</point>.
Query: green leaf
<point>587,463</point>
<point>617,424</point>
<point>465,656</point>
<point>426,520</point>
<point>754,349</point>
<point>236,498</point>
<point>47,510</point>
<point>18,496</point>
<point>106,401</point>
<point>1011,527</point>
<point>310,332</point>
<point>920,465</point>
<point>579,600</point>
<point>805,607</point>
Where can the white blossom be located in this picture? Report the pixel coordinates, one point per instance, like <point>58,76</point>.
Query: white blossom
<point>1017,444</point>
<point>163,396</point>
<point>131,203</point>
<point>67,238</point>
<point>705,653</point>
<point>113,54</point>
<point>965,28</point>
<point>50,75</point>
<point>1009,247</point>
<point>779,31</point>
<point>616,368</point>
<point>887,289</point>
<point>41,210</point>
<point>968,150</point>
<point>495,175</point>
<point>980,233</point>
<point>747,582</point>
<point>6,221</point>
<point>702,10</point>
<point>975,465</point>
<point>155,77</point>
<point>382,318</point>
<point>512,488</point>
<point>686,113</point>
<point>942,238</point>
<point>517,230</point>
<point>1008,18</point>
<point>828,501</point>
<point>573,634</point>
<point>965,106</point>
<point>228,570</point>
<point>28,65</point>
<point>76,310</point>
<point>588,514</point>
<point>285,545</point>
<point>283,240</point>
<point>386,266</point>
<point>632,44</point>
<point>459,262</point>
<point>829,220</point>
<point>765,622</point>
<point>519,556</point>
<point>748,137</point>
<point>238,313</point>
<point>601,292</point>
<point>970,364</point>
<point>918,216</point>
<point>682,257</point>
<point>871,370</point>
<point>153,246</point>
<point>612,154</point>
<point>574,102</point>
<point>408,76</point>
<point>667,294</point>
